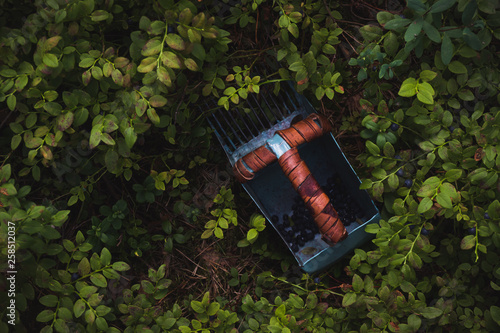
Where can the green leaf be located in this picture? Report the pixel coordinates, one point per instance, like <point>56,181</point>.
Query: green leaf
<point>90,316</point>
<point>213,309</point>
<point>431,32</point>
<point>96,72</point>
<point>84,267</point>
<point>372,148</point>
<point>45,316</point>
<point>49,300</point>
<point>441,5</point>
<point>153,116</point>
<point>469,12</point>
<point>293,29</point>
<point>218,232</point>
<point>427,75</point>
<point>468,242</point>
<point>11,102</point>
<point>416,5</point>
<point>357,283</point>
<point>453,174</point>
<point>95,136</point>
<point>370,32</point>
<point>105,257</point>
<point>50,60</point>
<point>16,140</point>
<point>447,49</point>
<point>472,40</point>
<point>86,62</point>
<point>424,205</point>
<point>99,15</point>
<point>130,137</point>
<point>199,52</point>
<point>65,314</point>
<point>457,67</point>
<point>384,17</point>
<point>425,93</point>
<point>414,30</point>
<point>99,280</point>
<point>349,299</point>
<point>81,116</point>
<point>431,312</point>
<point>101,323</point>
<point>79,308</point>
<point>8,72</point>
<point>252,234</point>
<point>495,313</point>
<point>397,23</point>
<point>414,322</point>
<point>391,44</point>
<point>444,200</point>
<point>198,307</point>
<point>408,88</point>
<point>389,149</point>
<point>120,266</point>
<point>157,101</point>
<point>111,160</point>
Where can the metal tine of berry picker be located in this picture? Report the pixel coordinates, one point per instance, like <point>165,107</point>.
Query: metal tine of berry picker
<point>272,117</point>
<point>244,128</point>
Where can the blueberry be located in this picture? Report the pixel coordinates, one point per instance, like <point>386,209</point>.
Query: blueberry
<point>398,157</point>
<point>412,226</point>
<point>472,231</point>
<point>451,128</point>
<point>317,280</point>
<point>487,216</point>
<point>394,127</point>
<point>374,68</point>
<point>75,276</point>
<point>171,29</point>
<point>212,317</point>
<point>294,247</point>
<point>408,183</point>
<point>400,173</point>
<point>424,232</point>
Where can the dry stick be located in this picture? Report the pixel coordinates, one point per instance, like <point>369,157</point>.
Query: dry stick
<point>197,265</point>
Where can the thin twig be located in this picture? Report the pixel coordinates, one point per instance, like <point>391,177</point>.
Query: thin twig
<point>5,119</point>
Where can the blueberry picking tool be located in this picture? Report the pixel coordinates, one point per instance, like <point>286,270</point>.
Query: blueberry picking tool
<point>269,140</point>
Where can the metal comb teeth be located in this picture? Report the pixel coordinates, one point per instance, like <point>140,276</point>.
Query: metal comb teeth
<point>246,126</point>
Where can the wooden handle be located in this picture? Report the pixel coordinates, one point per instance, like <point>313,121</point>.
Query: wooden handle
<point>303,131</point>
<point>325,216</point>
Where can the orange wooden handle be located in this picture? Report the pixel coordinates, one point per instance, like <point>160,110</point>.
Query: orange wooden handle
<point>303,131</point>
<point>325,216</point>
<point>255,160</point>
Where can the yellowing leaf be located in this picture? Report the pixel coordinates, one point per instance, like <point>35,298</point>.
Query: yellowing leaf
<point>191,64</point>
<point>147,65</point>
<point>176,42</point>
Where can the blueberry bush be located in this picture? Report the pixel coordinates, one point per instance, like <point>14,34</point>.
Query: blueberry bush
<point>117,211</point>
